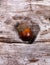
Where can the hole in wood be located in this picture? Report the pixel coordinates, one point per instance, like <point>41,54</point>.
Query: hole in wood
<point>26,32</point>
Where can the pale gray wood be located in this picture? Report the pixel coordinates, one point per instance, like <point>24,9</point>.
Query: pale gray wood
<point>25,54</point>
<point>16,52</point>
<point>39,12</point>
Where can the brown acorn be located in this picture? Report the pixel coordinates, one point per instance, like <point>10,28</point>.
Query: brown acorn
<point>26,33</point>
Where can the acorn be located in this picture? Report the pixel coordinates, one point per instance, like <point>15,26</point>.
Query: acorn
<point>26,33</point>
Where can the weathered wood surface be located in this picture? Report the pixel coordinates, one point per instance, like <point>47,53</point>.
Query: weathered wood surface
<point>38,11</point>
<point>15,52</point>
<point>23,54</point>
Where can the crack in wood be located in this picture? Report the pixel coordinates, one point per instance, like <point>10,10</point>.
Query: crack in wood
<point>30,6</point>
<point>9,40</point>
<point>33,60</point>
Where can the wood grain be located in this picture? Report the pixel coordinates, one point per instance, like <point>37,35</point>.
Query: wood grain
<point>13,51</point>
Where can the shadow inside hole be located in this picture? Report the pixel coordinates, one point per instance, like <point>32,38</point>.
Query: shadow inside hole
<point>26,32</point>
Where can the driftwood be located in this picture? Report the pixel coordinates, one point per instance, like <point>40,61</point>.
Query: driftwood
<point>14,51</point>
